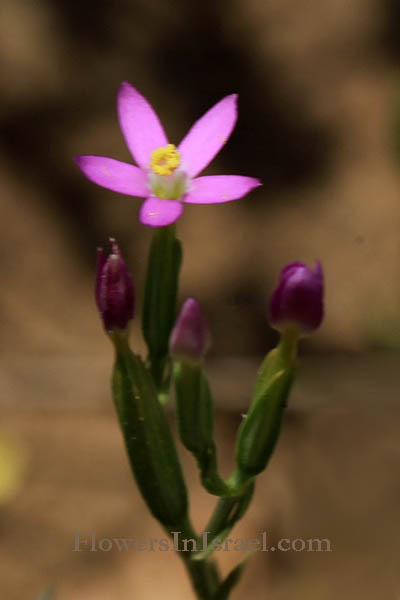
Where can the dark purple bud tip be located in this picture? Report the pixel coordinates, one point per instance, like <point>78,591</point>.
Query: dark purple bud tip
<point>190,338</point>
<point>115,295</point>
<point>298,300</point>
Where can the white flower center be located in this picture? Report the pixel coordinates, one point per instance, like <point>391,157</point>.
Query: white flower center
<point>166,180</point>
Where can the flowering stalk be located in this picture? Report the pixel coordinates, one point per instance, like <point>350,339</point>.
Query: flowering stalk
<point>189,342</point>
<point>148,439</point>
<point>147,435</point>
<point>153,458</point>
<point>150,446</point>
<point>166,176</point>
<point>296,308</point>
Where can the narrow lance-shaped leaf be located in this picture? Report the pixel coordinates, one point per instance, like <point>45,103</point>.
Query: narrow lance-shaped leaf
<point>150,446</point>
<point>230,582</point>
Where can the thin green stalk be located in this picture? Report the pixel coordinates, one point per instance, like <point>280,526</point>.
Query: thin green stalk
<point>230,509</point>
<point>159,306</point>
<point>204,574</point>
<point>203,577</point>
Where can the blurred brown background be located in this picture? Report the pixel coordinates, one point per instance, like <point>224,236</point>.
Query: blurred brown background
<point>317,85</point>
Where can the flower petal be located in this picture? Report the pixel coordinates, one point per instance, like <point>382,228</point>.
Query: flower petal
<point>157,212</point>
<point>207,136</point>
<point>140,124</point>
<point>298,300</point>
<point>219,188</point>
<point>114,175</point>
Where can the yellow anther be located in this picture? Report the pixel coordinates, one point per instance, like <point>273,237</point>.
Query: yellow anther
<point>165,160</point>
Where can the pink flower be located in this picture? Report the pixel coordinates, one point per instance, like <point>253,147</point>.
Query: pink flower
<point>166,175</point>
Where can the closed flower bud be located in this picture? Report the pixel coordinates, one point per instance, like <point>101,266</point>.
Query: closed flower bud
<point>190,338</point>
<point>115,296</point>
<point>297,302</point>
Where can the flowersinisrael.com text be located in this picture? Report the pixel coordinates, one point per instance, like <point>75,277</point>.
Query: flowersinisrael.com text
<point>88,542</point>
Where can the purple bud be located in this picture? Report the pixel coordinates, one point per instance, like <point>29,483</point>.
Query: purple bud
<point>298,299</point>
<point>190,338</point>
<point>115,296</point>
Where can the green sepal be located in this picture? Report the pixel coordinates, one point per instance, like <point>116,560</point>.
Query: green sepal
<point>159,306</point>
<point>281,358</point>
<point>195,415</point>
<point>149,443</point>
<point>260,429</point>
<point>194,406</point>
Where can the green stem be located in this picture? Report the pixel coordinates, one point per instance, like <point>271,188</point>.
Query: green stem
<point>159,306</point>
<point>203,577</point>
<point>204,574</point>
<point>220,516</point>
<point>230,509</point>
<point>288,345</point>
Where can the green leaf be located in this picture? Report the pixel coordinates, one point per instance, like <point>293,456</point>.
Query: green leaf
<point>159,307</point>
<point>150,446</point>
<point>230,582</point>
